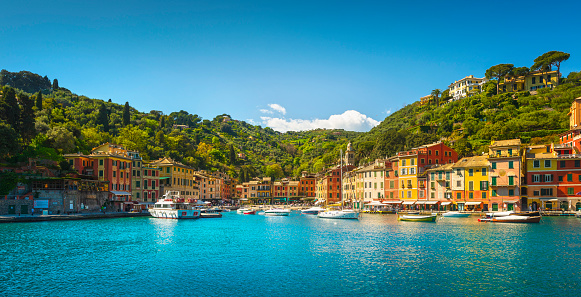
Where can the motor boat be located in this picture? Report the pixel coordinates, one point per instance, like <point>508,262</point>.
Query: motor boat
<point>243,209</point>
<point>517,219</point>
<point>277,212</point>
<point>171,206</point>
<point>455,214</point>
<point>339,214</point>
<point>313,210</point>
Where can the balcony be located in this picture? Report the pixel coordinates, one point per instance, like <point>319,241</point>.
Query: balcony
<point>503,155</point>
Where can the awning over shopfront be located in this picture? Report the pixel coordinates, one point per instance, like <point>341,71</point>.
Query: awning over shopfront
<point>513,201</point>
<point>472,203</point>
<point>548,199</point>
<point>120,193</point>
<point>432,202</point>
<point>420,202</point>
<point>392,202</point>
<point>374,203</point>
<point>165,177</point>
<point>408,202</point>
<point>446,203</point>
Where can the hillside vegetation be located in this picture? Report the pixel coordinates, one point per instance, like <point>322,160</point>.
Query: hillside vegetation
<point>469,124</point>
<point>55,121</point>
<point>42,120</point>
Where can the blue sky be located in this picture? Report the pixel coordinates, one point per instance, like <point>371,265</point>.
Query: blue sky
<point>285,64</point>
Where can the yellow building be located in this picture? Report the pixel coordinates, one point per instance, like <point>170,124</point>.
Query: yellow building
<point>475,171</point>
<point>426,99</point>
<point>175,176</point>
<point>408,178</point>
<point>575,114</point>
<point>530,82</point>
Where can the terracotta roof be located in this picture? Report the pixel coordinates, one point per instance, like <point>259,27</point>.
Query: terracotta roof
<point>509,142</point>
<point>476,161</point>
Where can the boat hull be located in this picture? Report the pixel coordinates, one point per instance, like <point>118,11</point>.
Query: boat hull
<point>417,218</point>
<point>277,213</point>
<point>455,215</point>
<point>175,213</point>
<point>339,214</point>
<point>517,219</point>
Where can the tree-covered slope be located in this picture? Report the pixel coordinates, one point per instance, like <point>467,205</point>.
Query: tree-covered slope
<point>64,122</point>
<point>469,124</point>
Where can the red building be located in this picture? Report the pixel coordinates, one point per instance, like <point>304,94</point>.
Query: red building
<point>110,163</point>
<point>391,179</point>
<point>307,185</point>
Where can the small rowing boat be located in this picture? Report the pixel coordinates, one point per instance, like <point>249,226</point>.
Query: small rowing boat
<point>417,218</point>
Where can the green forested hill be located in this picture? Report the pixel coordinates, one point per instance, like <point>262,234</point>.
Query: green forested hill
<point>63,122</point>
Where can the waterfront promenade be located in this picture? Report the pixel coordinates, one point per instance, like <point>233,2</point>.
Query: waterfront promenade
<point>69,217</point>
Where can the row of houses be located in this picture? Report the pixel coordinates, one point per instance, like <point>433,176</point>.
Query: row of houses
<point>130,179</point>
<point>114,178</point>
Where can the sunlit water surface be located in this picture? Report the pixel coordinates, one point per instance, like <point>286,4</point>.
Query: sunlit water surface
<point>299,255</point>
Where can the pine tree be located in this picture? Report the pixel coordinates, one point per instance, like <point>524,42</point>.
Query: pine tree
<point>55,84</point>
<point>126,114</point>
<point>39,100</point>
<point>27,130</point>
<point>103,117</point>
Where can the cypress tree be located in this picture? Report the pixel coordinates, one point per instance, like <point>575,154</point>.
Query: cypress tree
<point>26,117</point>
<point>232,155</point>
<point>103,117</point>
<point>55,84</point>
<point>39,100</point>
<point>126,114</point>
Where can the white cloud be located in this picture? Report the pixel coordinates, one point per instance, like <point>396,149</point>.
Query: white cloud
<point>350,120</point>
<point>388,111</point>
<point>277,108</point>
<point>266,111</point>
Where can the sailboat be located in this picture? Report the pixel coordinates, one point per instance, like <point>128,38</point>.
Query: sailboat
<point>342,213</point>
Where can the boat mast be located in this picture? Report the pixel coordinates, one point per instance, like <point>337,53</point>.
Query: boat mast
<point>341,178</point>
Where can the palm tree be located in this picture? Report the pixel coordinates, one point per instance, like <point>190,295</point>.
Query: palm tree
<point>436,93</point>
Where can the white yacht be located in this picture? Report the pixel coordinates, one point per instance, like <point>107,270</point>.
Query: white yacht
<point>339,214</point>
<point>313,210</point>
<point>277,212</point>
<point>171,206</point>
<point>243,210</point>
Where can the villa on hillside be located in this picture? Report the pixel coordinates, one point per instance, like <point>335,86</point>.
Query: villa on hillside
<point>530,82</point>
<point>462,88</point>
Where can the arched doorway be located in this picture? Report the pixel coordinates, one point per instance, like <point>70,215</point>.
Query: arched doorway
<point>564,205</point>
<point>578,206</point>
<point>549,205</point>
<point>534,206</point>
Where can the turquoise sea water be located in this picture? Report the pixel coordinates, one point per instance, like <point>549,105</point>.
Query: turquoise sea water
<point>299,255</point>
